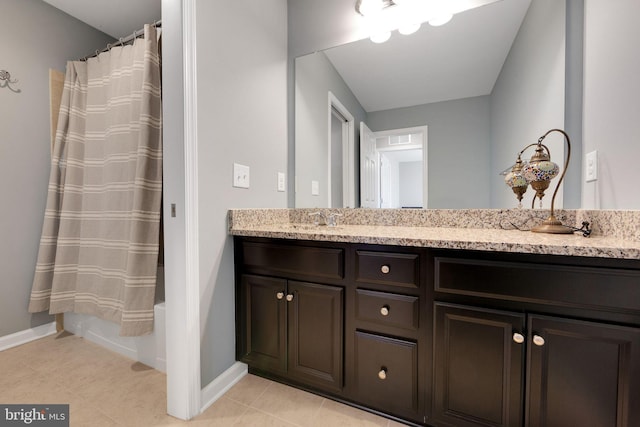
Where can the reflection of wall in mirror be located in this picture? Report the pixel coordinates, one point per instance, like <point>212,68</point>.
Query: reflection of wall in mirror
<point>458,149</point>
<point>315,78</point>
<point>521,113</point>
<point>461,131</point>
<point>611,99</point>
<point>612,102</point>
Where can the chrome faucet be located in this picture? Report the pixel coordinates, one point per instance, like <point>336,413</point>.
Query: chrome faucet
<point>319,218</point>
<point>332,219</point>
<point>329,219</point>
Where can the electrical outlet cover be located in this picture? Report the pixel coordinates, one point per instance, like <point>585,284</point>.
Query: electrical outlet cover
<point>240,176</point>
<point>591,173</point>
<point>281,181</point>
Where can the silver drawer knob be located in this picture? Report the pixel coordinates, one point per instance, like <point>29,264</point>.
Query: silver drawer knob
<point>384,310</point>
<point>280,295</point>
<point>385,269</point>
<point>518,338</point>
<point>382,374</point>
<point>538,340</point>
<point>289,297</point>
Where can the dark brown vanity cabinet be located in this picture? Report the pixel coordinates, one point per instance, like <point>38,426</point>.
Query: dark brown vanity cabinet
<point>348,321</point>
<point>390,350</point>
<point>479,365</point>
<point>582,373</point>
<point>294,329</point>
<point>516,366</point>
<point>289,325</point>
<point>444,337</point>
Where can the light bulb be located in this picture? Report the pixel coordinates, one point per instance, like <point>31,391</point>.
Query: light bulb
<point>409,29</point>
<point>370,7</point>
<point>380,37</point>
<point>441,19</point>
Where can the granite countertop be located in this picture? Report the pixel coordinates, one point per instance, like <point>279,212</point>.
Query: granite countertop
<point>276,224</point>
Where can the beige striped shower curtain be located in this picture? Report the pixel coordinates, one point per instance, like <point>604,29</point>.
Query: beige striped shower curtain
<point>99,245</point>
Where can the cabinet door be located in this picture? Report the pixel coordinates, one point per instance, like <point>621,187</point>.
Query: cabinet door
<point>264,314</point>
<point>478,367</point>
<point>582,374</point>
<point>315,326</point>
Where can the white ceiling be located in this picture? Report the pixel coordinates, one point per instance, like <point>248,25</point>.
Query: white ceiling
<point>458,60</point>
<point>117,18</point>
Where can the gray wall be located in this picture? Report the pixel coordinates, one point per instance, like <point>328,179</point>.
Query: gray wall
<point>35,37</point>
<point>315,77</point>
<point>521,113</point>
<point>458,148</point>
<point>242,117</point>
<point>612,102</point>
<point>316,25</point>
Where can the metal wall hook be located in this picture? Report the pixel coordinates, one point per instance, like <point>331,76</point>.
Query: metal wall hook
<point>5,75</point>
<point>5,81</point>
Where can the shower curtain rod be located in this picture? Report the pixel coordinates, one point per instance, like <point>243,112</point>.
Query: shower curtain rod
<point>123,41</point>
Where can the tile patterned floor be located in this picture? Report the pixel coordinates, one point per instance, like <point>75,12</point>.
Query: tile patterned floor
<point>106,389</point>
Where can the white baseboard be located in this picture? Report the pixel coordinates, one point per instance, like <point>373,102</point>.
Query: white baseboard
<point>216,388</point>
<point>147,349</point>
<point>23,337</point>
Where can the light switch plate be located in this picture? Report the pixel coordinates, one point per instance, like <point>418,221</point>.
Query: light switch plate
<point>592,166</point>
<point>281,181</point>
<point>315,188</point>
<point>240,176</point>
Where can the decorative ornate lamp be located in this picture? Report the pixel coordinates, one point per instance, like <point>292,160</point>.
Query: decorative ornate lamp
<point>539,172</point>
<point>516,180</point>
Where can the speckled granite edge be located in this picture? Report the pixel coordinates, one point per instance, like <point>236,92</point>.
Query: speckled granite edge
<point>608,223</point>
<point>241,218</point>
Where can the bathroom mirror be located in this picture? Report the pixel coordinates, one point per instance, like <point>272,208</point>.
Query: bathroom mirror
<point>484,85</point>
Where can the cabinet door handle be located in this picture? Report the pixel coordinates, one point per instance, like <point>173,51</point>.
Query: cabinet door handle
<point>538,340</point>
<point>383,373</point>
<point>289,297</point>
<point>280,295</point>
<point>384,310</point>
<point>385,269</point>
<point>518,337</point>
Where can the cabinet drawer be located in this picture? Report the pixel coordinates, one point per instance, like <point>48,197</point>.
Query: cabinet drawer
<point>387,309</point>
<point>293,259</point>
<point>602,288</point>
<point>388,268</point>
<point>386,373</point>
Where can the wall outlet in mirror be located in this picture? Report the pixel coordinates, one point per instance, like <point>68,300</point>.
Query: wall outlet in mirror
<point>281,181</point>
<point>592,166</point>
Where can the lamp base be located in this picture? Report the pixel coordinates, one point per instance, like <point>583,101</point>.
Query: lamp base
<point>552,226</point>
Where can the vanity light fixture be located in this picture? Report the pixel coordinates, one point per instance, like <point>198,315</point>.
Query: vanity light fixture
<point>380,37</point>
<point>538,172</point>
<point>372,7</point>
<point>384,16</point>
